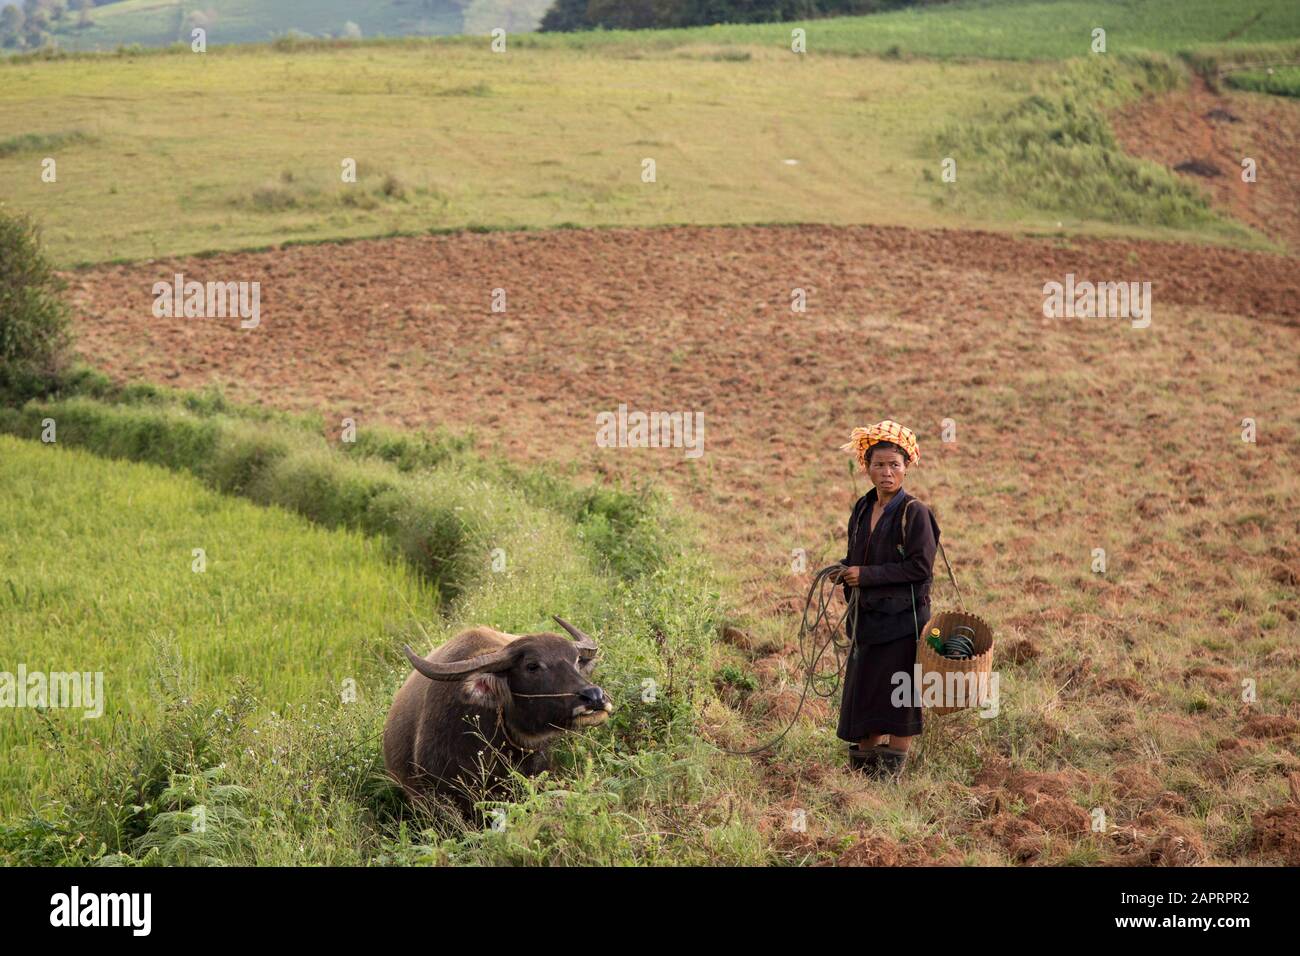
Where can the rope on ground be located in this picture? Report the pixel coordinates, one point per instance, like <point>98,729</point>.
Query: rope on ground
<point>823,684</point>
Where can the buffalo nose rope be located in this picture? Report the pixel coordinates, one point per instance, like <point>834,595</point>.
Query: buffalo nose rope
<point>822,683</point>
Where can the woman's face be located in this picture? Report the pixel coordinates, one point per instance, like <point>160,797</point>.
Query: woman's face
<point>886,469</point>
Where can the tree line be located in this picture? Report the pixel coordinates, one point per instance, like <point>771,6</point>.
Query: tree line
<point>28,26</point>
<point>570,15</point>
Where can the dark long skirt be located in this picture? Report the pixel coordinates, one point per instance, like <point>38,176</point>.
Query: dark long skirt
<point>867,708</point>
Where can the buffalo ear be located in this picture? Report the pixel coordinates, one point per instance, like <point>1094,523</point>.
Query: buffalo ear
<point>485,689</point>
<point>586,664</point>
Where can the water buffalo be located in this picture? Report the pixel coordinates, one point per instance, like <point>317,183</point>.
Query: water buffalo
<point>485,700</point>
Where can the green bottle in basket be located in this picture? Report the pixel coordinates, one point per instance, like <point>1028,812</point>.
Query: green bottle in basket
<point>935,641</point>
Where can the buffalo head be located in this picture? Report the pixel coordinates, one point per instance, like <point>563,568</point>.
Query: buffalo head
<point>515,692</point>
<point>540,681</point>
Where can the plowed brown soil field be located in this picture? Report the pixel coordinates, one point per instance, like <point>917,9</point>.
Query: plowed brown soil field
<point>1071,435</point>
<point>915,325</point>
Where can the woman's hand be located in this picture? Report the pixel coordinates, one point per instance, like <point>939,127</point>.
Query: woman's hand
<point>850,576</point>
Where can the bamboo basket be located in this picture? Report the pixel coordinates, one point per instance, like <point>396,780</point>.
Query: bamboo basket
<point>974,669</point>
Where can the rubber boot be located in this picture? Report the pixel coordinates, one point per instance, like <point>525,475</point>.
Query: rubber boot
<point>865,761</point>
<point>891,761</point>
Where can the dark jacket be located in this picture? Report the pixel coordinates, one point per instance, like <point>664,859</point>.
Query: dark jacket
<point>890,575</point>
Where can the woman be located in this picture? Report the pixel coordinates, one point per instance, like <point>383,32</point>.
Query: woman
<point>892,577</point>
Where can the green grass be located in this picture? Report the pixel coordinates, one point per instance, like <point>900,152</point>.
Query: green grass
<point>551,137</point>
<point>1280,81</point>
<point>97,560</point>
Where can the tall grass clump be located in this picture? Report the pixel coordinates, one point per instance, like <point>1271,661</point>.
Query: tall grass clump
<point>619,524</point>
<point>42,142</point>
<point>1055,151</point>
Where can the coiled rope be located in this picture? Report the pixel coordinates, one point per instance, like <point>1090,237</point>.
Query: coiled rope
<point>825,684</point>
<point>839,641</point>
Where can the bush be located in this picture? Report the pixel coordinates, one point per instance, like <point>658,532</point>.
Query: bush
<point>34,320</point>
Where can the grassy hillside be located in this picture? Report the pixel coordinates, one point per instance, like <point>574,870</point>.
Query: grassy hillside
<point>450,137</point>
<point>995,29</point>
<point>991,29</point>
<point>448,134</point>
<point>161,22</point>
<point>453,137</point>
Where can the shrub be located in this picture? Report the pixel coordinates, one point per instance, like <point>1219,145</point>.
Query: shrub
<point>34,320</point>
<point>409,452</point>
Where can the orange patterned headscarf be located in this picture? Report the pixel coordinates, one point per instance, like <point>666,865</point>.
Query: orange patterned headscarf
<point>863,438</point>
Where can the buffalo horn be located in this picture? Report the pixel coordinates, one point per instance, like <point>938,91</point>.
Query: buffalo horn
<point>456,670</point>
<point>584,642</point>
